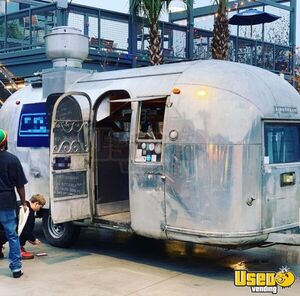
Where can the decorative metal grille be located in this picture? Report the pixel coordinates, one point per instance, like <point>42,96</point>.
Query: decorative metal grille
<point>70,136</point>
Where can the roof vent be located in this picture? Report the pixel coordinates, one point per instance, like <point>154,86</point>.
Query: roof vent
<point>67,47</point>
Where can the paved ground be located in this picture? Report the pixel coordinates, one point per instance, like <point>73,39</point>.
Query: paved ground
<point>109,263</point>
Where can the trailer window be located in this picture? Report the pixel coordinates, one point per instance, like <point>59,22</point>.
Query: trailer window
<point>150,130</point>
<point>33,126</point>
<point>282,142</point>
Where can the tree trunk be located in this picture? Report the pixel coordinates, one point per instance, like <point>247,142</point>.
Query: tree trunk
<point>156,55</point>
<point>220,43</point>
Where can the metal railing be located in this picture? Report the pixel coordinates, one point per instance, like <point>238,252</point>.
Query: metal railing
<point>109,35</point>
<point>270,56</point>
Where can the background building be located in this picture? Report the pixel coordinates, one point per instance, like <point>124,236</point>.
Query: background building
<point>119,41</point>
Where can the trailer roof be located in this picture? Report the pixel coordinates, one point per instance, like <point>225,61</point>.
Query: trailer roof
<point>260,87</point>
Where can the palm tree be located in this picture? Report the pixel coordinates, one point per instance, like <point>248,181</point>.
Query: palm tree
<point>152,9</point>
<point>221,35</point>
<point>297,80</point>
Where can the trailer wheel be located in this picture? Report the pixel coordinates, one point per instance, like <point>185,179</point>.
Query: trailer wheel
<point>61,235</point>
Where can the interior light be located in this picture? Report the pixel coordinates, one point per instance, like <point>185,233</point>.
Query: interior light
<point>202,93</point>
<point>21,85</point>
<point>176,6</point>
<point>10,87</point>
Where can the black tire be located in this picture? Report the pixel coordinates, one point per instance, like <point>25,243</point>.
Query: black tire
<point>61,235</point>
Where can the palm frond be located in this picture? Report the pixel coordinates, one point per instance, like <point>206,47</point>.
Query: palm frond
<point>151,9</point>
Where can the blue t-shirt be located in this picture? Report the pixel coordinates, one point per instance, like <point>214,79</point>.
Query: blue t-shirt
<point>11,176</point>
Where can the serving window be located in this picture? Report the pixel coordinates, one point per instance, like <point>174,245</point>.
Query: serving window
<point>282,142</point>
<point>150,130</point>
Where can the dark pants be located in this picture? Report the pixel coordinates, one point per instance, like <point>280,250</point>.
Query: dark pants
<point>3,239</point>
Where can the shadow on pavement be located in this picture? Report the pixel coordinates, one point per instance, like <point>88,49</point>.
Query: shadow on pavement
<point>198,260</point>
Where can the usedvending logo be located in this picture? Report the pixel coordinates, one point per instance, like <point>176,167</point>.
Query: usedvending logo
<point>264,281</point>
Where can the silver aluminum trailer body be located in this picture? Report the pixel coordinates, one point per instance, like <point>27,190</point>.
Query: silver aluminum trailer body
<point>212,182</point>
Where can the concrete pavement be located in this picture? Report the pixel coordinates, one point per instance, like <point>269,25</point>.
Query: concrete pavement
<point>109,263</point>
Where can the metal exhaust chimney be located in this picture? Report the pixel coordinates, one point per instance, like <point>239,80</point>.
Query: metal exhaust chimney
<point>66,47</point>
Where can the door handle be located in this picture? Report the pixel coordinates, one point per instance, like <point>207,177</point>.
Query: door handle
<point>163,177</point>
<point>153,173</point>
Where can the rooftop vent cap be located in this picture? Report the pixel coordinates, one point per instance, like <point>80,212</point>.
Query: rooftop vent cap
<point>67,47</point>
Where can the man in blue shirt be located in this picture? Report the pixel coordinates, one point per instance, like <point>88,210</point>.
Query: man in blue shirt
<point>11,176</point>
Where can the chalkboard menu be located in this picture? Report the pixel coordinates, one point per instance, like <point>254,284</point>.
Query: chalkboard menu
<point>69,184</point>
<point>68,109</point>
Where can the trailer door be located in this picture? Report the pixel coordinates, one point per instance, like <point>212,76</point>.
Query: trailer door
<point>70,161</point>
<point>147,186</point>
<point>281,199</point>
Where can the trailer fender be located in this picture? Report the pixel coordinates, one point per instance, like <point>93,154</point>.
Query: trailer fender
<point>61,235</point>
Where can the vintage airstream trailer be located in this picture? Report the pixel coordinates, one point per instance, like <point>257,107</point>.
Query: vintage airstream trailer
<point>200,151</point>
